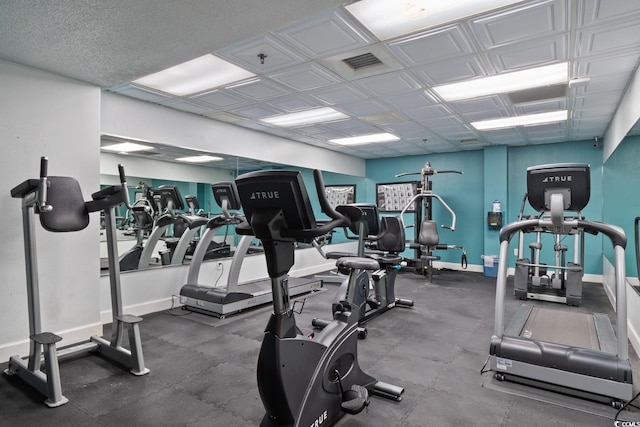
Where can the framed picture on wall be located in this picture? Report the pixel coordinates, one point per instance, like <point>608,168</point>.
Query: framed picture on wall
<point>394,196</point>
<point>340,194</point>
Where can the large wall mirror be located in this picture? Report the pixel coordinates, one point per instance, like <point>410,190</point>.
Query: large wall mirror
<point>158,166</point>
<point>155,176</point>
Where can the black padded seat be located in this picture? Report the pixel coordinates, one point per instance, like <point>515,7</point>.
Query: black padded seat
<point>338,254</point>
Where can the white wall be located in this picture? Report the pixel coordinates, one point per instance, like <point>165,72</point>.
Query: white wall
<point>42,114</point>
<point>627,114</point>
<point>131,118</point>
<point>155,169</point>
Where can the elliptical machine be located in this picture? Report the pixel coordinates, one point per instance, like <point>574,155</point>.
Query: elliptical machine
<point>303,380</point>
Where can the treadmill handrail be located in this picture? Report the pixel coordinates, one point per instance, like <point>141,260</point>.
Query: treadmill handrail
<point>613,232</point>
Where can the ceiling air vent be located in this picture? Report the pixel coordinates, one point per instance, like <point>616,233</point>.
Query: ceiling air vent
<point>362,61</point>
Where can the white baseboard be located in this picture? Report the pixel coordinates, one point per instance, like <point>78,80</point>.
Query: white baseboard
<point>69,337</point>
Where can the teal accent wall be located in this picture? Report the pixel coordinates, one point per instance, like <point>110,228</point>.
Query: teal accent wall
<point>519,159</point>
<point>621,197</point>
<point>495,188</point>
<point>463,193</point>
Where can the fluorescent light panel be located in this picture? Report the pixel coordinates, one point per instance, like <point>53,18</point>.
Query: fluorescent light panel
<point>317,115</point>
<point>365,139</point>
<point>388,19</point>
<point>528,120</point>
<point>127,147</point>
<point>507,82</point>
<point>199,159</point>
<point>197,75</point>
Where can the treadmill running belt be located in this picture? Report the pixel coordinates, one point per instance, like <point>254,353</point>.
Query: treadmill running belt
<point>562,327</point>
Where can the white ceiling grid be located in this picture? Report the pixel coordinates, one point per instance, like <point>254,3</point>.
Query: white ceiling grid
<point>600,39</point>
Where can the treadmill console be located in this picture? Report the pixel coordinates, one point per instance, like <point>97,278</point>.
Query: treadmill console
<point>572,180</point>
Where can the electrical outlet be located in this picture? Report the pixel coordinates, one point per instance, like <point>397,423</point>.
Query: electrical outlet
<point>219,266</point>
<point>515,252</point>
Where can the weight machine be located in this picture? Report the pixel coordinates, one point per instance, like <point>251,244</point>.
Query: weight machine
<point>426,238</point>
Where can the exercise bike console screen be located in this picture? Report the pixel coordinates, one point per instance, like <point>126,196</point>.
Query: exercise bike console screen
<point>170,193</point>
<point>570,179</point>
<point>370,216</point>
<point>226,191</point>
<point>282,190</point>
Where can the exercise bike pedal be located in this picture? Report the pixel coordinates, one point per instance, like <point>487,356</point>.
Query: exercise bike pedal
<point>355,399</point>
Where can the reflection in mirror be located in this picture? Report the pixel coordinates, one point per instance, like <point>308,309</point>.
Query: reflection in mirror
<point>157,166</point>
<point>171,198</point>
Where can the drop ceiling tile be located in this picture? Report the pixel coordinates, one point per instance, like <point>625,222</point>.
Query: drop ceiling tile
<point>601,99</point>
<point>487,103</point>
<point>446,128</point>
<point>338,94</point>
<point>293,103</point>
<point>521,23</point>
<point>408,130</point>
<point>139,93</point>
<point>409,100</point>
<point>597,11</point>
<point>220,99</point>
<point>542,106</point>
<point>352,127</point>
<point>531,53</point>
<point>502,136</point>
<point>388,84</point>
<point>185,105</point>
<point>477,116</point>
<point>256,111</point>
<point>306,77</point>
<point>605,84</point>
<point>605,111</point>
<point>607,64</point>
<point>451,70</point>
<point>431,46</point>
<point>367,107</point>
<point>619,35</point>
<point>277,54</point>
<point>324,35</point>
<point>430,113</point>
<point>258,89</point>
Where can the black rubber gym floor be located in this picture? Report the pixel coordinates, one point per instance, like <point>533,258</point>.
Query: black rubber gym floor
<point>203,368</point>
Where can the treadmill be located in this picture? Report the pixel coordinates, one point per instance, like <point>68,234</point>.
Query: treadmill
<point>578,354</point>
<point>234,297</point>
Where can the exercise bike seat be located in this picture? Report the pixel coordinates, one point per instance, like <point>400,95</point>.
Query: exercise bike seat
<point>349,263</point>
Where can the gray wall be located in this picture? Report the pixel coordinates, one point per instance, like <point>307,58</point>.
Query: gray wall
<point>43,114</point>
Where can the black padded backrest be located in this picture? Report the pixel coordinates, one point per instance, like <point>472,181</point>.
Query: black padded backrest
<point>393,239</point>
<point>69,211</point>
<point>428,233</point>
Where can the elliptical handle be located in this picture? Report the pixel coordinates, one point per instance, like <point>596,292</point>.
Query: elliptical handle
<point>324,203</point>
<point>123,184</point>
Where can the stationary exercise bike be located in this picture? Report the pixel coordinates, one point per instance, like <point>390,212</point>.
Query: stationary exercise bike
<point>385,238</point>
<point>303,380</point>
